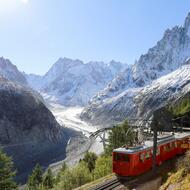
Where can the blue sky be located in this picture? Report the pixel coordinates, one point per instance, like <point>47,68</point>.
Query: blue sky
<point>35,33</point>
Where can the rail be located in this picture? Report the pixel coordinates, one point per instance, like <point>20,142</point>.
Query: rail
<point>108,185</point>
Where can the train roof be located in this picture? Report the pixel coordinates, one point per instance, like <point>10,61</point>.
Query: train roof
<point>181,135</point>
<point>162,139</point>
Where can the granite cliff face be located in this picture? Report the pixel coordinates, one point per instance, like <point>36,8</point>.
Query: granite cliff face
<point>28,130</point>
<point>143,84</point>
<point>22,113</point>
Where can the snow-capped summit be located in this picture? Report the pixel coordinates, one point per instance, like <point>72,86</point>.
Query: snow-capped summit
<point>139,102</point>
<point>168,55</point>
<point>73,82</point>
<point>61,66</point>
<point>10,71</point>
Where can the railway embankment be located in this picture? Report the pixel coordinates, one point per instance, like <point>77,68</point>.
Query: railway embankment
<point>143,182</point>
<point>153,184</point>
<point>180,177</point>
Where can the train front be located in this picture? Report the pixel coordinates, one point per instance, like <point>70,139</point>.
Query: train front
<point>121,162</point>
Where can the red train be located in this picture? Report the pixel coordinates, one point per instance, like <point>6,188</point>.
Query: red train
<point>138,160</point>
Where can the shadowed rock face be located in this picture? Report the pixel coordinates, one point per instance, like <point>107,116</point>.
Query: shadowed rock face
<point>28,130</point>
<point>21,113</point>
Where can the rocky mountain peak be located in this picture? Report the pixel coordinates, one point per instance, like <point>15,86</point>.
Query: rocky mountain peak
<point>166,56</point>
<point>61,66</point>
<point>10,71</point>
<point>187,24</point>
<point>5,63</point>
<point>66,62</point>
<point>116,64</point>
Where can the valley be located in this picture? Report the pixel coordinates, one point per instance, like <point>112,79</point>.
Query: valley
<point>51,119</point>
<point>78,145</point>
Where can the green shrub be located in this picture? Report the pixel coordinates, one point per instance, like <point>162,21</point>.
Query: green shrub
<point>63,168</point>
<point>103,167</point>
<point>75,177</point>
<point>181,107</point>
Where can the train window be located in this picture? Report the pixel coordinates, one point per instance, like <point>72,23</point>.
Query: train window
<point>158,151</point>
<point>147,155</point>
<point>142,157</point>
<point>117,157</point>
<point>126,158</point>
<point>167,148</point>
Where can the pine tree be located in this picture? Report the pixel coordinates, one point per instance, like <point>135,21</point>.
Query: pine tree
<point>35,179</point>
<point>90,158</point>
<point>6,172</point>
<point>120,135</point>
<point>48,180</point>
<point>103,167</point>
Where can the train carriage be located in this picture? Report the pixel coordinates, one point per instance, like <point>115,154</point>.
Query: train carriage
<point>181,140</point>
<point>133,161</point>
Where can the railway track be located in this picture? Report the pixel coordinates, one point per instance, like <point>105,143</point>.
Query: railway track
<point>123,182</point>
<point>109,185</point>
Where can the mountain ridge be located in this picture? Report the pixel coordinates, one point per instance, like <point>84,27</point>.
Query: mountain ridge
<point>169,54</point>
<point>11,72</point>
<point>67,80</point>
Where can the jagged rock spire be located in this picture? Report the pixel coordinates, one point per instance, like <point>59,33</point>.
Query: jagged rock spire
<point>187,22</point>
